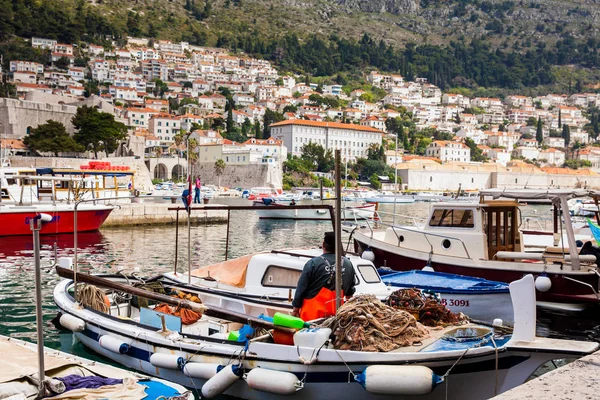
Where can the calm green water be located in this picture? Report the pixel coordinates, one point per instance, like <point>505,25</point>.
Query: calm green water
<point>152,251</point>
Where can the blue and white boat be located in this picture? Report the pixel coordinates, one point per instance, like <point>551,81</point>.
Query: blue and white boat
<point>478,298</point>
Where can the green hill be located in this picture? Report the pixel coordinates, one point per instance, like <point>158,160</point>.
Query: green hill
<point>518,45</point>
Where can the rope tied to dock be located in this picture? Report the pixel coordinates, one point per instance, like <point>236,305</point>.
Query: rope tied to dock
<point>366,324</point>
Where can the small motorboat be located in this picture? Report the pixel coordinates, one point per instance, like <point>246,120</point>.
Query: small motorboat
<point>478,298</point>
<point>73,377</point>
<point>268,208</point>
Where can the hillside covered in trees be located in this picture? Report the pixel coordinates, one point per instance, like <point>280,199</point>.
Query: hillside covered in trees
<point>473,44</point>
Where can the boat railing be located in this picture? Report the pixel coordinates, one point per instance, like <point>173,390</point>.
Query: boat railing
<point>426,235</point>
<point>417,222</point>
<point>530,223</point>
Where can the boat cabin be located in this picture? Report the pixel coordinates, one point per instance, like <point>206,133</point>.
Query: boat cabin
<point>31,185</point>
<point>467,230</point>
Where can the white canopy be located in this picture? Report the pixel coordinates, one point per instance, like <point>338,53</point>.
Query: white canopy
<point>536,194</point>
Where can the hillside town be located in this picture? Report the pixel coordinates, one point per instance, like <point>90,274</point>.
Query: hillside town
<point>243,111</point>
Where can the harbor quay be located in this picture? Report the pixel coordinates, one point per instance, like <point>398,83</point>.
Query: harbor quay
<point>158,213</point>
<point>578,380</point>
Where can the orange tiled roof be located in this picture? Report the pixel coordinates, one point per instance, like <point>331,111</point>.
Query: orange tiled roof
<point>337,125</point>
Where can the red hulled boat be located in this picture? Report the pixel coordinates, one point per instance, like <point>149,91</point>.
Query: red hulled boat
<point>14,219</point>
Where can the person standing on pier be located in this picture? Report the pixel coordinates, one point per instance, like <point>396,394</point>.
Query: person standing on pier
<point>315,292</point>
<point>197,191</point>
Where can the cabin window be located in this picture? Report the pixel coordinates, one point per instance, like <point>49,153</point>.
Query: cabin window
<point>369,273</point>
<point>452,218</point>
<point>276,276</point>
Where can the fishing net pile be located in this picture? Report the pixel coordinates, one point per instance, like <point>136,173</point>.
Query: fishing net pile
<point>366,324</point>
<point>427,309</point>
<point>187,316</point>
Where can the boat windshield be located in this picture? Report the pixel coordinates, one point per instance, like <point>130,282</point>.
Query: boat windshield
<point>452,218</point>
<point>369,273</point>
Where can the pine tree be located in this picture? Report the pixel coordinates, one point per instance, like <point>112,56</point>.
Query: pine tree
<point>559,119</point>
<point>230,120</point>
<point>566,134</point>
<point>257,130</point>
<point>539,133</point>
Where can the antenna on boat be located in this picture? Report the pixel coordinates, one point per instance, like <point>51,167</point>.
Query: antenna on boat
<point>338,231</point>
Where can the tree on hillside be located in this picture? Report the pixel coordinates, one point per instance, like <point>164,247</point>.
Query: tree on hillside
<point>270,118</point>
<point>566,134</point>
<point>62,63</point>
<point>320,159</point>
<point>98,131</point>
<point>51,137</point>
<point>539,133</point>
<point>476,152</point>
<point>219,169</point>
<point>229,123</point>
<point>257,130</point>
<point>559,119</point>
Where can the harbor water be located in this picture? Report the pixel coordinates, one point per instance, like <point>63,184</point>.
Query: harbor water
<point>150,250</point>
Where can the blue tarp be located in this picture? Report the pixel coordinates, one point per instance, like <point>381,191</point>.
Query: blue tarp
<point>441,282</point>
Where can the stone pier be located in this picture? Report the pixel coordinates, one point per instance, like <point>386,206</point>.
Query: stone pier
<point>579,380</point>
<point>158,213</point>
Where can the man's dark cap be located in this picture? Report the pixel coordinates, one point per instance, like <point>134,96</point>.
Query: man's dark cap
<point>329,239</point>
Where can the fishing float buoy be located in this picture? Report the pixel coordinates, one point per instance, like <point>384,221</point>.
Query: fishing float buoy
<point>399,380</point>
<point>368,255</point>
<point>169,361</point>
<point>543,283</point>
<point>201,370</point>
<point>271,381</point>
<point>113,344</point>
<point>222,381</point>
<point>72,323</point>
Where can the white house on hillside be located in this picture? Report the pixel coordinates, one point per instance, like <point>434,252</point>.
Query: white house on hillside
<point>353,140</point>
<point>448,151</point>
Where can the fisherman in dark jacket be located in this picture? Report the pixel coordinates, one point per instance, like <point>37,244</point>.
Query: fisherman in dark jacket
<point>315,292</point>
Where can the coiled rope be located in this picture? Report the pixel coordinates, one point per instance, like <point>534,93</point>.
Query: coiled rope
<point>94,298</point>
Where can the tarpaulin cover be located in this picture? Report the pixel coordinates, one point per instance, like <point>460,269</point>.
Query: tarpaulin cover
<point>231,272</point>
<point>73,382</point>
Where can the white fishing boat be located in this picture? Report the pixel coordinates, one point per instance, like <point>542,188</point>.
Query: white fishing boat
<point>466,362</point>
<point>390,197</point>
<point>19,379</point>
<point>487,240</point>
<point>269,209</point>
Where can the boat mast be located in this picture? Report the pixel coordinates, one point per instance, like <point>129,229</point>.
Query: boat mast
<point>570,233</point>
<point>395,179</point>
<point>338,232</point>
<point>189,213</point>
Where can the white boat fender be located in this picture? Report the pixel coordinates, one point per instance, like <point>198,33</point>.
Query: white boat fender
<point>271,381</point>
<point>368,255</point>
<point>543,283</point>
<point>201,370</point>
<point>399,380</point>
<point>169,361</point>
<point>113,344</point>
<point>222,381</point>
<point>72,323</point>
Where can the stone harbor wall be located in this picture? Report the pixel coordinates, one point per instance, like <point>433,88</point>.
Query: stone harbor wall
<point>16,116</point>
<point>242,176</point>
